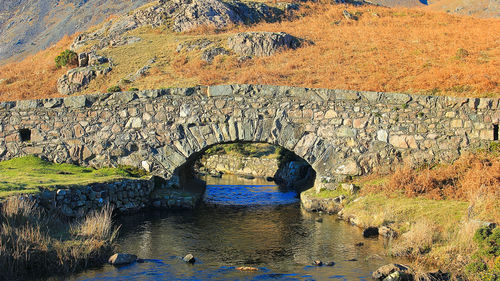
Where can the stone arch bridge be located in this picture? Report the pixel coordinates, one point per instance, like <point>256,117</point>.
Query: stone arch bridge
<point>340,133</point>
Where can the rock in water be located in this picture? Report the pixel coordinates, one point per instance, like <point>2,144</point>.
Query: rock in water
<point>189,258</point>
<point>261,44</point>
<point>370,232</point>
<point>393,271</point>
<point>317,263</point>
<point>247,268</point>
<point>122,259</point>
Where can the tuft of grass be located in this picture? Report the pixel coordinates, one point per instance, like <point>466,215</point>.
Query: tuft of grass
<point>34,243</point>
<point>29,173</point>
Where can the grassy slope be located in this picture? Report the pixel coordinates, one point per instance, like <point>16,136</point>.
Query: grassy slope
<point>26,174</point>
<point>386,50</point>
<point>398,49</point>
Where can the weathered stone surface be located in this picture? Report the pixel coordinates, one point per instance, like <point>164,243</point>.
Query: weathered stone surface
<point>75,101</point>
<point>404,272</point>
<point>77,79</point>
<point>122,259</point>
<point>328,205</point>
<point>209,54</point>
<point>168,127</point>
<point>262,43</point>
<point>189,258</point>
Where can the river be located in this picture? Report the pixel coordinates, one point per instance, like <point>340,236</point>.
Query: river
<point>244,223</point>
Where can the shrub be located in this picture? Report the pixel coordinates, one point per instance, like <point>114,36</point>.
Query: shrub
<point>486,260</point>
<point>461,54</point>
<point>133,89</point>
<point>114,89</point>
<point>66,58</point>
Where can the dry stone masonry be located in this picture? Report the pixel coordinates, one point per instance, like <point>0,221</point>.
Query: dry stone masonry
<point>340,133</point>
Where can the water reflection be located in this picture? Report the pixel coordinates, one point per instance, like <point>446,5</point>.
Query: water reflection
<point>231,190</point>
<point>280,240</point>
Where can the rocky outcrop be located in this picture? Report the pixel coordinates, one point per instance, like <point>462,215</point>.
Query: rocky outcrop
<point>90,59</point>
<point>78,79</point>
<point>180,16</point>
<point>141,72</point>
<point>209,54</point>
<point>258,44</point>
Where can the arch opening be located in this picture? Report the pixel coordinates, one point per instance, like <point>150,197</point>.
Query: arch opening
<point>248,164</point>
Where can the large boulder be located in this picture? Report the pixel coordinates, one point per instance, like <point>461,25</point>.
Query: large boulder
<point>259,44</point>
<point>77,79</point>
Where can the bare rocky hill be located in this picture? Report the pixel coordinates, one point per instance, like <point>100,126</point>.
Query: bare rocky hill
<point>28,26</point>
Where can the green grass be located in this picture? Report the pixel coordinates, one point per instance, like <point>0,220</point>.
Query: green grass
<point>26,174</point>
<point>400,211</point>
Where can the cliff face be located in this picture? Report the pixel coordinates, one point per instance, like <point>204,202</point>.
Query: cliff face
<point>28,26</point>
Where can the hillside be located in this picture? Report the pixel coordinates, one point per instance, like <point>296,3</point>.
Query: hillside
<point>28,26</point>
<point>382,49</point>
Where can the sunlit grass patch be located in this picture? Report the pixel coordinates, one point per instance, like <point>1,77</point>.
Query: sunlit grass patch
<point>26,174</point>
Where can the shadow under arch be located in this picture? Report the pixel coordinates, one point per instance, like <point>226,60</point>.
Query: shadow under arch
<point>294,172</point>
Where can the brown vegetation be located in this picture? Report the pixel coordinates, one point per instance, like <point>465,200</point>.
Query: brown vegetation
<point>36,243</point>
<point>34,77</point>
<point>436,210</point>
<point>463,180</point>
<point>391,50</point>
<point>385,50</point>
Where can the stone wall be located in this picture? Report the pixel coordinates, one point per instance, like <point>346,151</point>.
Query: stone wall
<point>125,196</point>
<point>340,133</point>
<point>230,164</point>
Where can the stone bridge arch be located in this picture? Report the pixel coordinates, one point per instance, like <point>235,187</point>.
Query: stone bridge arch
<point>339,133</point>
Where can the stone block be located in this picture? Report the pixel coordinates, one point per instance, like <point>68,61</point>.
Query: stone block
<point>220,90</point>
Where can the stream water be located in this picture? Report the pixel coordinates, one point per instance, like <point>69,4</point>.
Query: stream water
<point>244,223</point>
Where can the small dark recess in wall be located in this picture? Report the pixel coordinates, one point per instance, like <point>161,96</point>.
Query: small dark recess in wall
<point>25,135</point>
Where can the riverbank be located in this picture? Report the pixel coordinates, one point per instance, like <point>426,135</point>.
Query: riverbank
<point>57,218</point>
<point>430,215</point>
